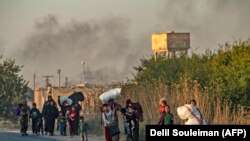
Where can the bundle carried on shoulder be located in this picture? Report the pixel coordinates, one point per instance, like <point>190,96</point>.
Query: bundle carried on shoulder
<point>111,94</point>
<point>76,97</point>
<point>191,114</point>
<point>65,98</point>
<point>73,98</point>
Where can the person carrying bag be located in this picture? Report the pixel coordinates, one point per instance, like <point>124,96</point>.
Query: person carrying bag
<point>112,130</point>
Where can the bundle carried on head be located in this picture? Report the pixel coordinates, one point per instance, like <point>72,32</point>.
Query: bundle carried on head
<point>72,99</point>
<point>63,99</point>
<point>109,95</point>
<point>76,97</point>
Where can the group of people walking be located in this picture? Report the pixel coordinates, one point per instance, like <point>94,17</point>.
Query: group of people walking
<point>132,114</point>
<point>189,113</point>
<point>44,122</point>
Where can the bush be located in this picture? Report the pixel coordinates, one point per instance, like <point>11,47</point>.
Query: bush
<point>225,72</point>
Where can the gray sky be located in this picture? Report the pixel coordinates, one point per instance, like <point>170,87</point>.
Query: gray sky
<point>109,35</point>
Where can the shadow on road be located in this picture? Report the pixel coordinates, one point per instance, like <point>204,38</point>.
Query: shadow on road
<point>7,135</point>
<point>16,136</point>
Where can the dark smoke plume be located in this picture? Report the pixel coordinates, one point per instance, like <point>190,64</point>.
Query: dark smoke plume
<point>110,47</point>
<point>103,46</point>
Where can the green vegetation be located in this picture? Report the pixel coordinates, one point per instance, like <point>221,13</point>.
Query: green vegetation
<point>225,73</point>
<point>12,87</point>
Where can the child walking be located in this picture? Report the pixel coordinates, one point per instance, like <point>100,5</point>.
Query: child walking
<point>62,123</point>
<point>34,115</point>
<point>168,118</point>
<point>129,123</point>
<point>83,127</point>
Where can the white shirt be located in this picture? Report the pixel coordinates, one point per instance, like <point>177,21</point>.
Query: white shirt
<point>108,117</point>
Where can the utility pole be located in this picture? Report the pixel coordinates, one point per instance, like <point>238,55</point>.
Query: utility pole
<point>59,77</point>
<point>66,82</point>
<point>82,79</point>
<point>34,81</point>
<point>47,80</point>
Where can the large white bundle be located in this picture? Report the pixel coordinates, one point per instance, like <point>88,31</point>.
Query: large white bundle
<point>183,112</point>
<point>65,98</point>
<point>111,94</point>
<point>190,113</point>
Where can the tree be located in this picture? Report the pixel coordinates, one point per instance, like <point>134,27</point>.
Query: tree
<point>226,73</point>
<point>231,73</point>
<point>12,87</point>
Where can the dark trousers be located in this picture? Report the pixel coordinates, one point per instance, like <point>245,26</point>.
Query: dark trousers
<point>40,128</point>
<point>129,137</point>
<point>24,124</point>
<point>45,125</point>
<point>62,128</point>
<point>136,132</point>
<point>84,136</point>
<point>34,125</point>
<point>72,127</point>
<point>76,123</point>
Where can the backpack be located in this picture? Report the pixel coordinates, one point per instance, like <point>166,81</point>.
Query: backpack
<point>17,111</point>
<point>139,111</point>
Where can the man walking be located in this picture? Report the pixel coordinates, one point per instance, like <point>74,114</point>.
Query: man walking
<point>24,118</point>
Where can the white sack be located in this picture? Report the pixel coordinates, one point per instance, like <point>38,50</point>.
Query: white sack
<point>111,94</point>
<point>65,98</point>
<point>184,113</point>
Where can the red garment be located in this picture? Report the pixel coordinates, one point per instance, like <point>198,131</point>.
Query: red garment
<point>107,135</point>
<point>162,109</point>
<point>72,115</point>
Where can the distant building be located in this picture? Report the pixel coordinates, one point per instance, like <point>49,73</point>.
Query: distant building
<point>91,95</point>
<point>169,43</point>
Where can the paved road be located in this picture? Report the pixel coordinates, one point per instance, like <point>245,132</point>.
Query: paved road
<point>13,135</point>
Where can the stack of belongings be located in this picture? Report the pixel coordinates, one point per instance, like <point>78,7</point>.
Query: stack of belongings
<point>63,99</point>
<point>109,95</point>
<point>190,114</point>
<point>72,99</point>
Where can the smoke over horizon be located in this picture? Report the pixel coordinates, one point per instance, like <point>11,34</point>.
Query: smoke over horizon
<point>103,45</point>
<point>111,45</point>
<point>210,22</point>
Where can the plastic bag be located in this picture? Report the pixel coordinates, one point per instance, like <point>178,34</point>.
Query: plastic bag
<point>64,98</point>
<point>111,94</point>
